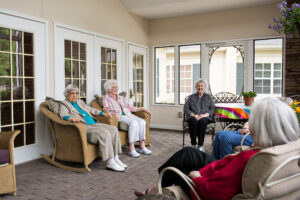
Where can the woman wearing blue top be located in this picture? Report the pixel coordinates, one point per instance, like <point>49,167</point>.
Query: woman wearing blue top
<point>75,110</point>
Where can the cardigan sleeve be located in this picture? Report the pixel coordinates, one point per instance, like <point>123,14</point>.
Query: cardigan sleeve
<point>222,179</point>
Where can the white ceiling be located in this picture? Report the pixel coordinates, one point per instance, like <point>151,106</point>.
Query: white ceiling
<point>154,9</point>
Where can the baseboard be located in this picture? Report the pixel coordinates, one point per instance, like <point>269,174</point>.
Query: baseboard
<point>167,127</point>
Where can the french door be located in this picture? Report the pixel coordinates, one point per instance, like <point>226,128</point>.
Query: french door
<point>138,70</point>
<point>23,80</point>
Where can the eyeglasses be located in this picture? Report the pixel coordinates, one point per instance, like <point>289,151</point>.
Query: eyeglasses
<point>73,93</point>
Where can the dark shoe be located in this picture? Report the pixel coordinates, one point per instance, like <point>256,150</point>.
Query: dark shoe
<point>139,194</point>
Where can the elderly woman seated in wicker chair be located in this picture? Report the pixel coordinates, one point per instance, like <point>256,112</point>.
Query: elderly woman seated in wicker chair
<point>272,122</point>
<point>137,127</point>
<point>75,110</point>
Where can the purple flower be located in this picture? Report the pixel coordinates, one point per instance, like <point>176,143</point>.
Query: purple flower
<point>297,5</point>
<point>275,19</point>
<point>270,26</point>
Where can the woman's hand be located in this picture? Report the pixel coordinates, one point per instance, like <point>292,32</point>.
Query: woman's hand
<point>107,115</point>
<point>74,119</point>
<point>194,174</point>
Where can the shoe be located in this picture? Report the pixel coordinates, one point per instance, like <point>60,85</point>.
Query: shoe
<point>112,164</point>
<point>140,194</point>
<point>145,151</point>
<point>133,153</point>
<point>119,162</point>
<point>201,148</point>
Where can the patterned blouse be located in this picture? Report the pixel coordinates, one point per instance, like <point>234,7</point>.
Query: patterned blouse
<point>118,106</point>
<point>199,105</point>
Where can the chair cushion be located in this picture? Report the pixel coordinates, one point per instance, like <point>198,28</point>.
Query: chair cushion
<point>123,126</point>
<point>92,138</point>
<point>4,156</point>
<point>53,104</point>
<point>211,125</point>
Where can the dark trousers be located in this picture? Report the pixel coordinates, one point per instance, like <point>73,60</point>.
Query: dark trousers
<point>186,160</point>
<point>198,128</point>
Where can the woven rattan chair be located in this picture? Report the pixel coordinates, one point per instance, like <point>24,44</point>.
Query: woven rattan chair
<point>185,128</point>
<point>123,128</point>
<point>7,170</point>
<point>70,142</point>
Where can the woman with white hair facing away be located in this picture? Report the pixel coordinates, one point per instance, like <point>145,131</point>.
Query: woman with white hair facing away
<point>118,105</point>
<point>272,122</point>
<point>75,110</point>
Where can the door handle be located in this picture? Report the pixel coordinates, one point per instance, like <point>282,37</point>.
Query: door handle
<point>130,93</point>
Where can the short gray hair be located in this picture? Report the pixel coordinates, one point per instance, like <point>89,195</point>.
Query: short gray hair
<point>69,88</point>
<point>273,122</point>
<point>201,80</point>
<point>109,84</point>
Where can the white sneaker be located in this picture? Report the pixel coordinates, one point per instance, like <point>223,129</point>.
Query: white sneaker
<point>201,148</point>
<point>119,162</point>
<point>112,164</point>
<point>133,153</point>
<point>145,151</point>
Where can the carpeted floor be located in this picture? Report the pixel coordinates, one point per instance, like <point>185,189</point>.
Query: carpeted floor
<point>39,180</point>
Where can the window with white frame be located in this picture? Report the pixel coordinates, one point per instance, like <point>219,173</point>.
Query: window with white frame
<point>170,73</point>
<point>268,67</point>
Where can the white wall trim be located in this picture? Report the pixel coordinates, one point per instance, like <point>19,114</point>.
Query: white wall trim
<point>163,126</point>
<point>23,16</point>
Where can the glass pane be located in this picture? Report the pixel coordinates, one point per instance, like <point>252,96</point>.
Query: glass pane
<point>164,57</point>
<point>258,90</point>
<point>29,111</point>
<point>226,70</point>
<point>67,82</point>
<point>258,66</point>
<point>4,64</point>
<point>75,50</point>
<point>18,88</point>
<point>269,51</point>
<point>29,88</point>
<point>76,82</point>
<point>67,68</point>
<point>67,49</point>
<point>16,41</point>
<point>4,39</point>
<point>5,87</point>
<point>114,72</point>
<point>82,88</point>
<point>267,74</point>
<point>267,66</point>
<point>7,128</point>
<point>5,113</point>
<point>19,140</point>
<point>277,66</point>
<point>29,68</point>
<point>257,82</point>
<point>277,74</point>
<point>276,90</point>
<point>30,136</point>
<point>18,112</point>
<point>277,83</point>
<point>28,43</point>
<point>102,55</point>
<point>75,69</point>
<point>258,74</point>
<point>82,51</point>
<point>103,71</point>
<point>108,55</point>
<point>189,69</point>
<point>108,71</point>
<point>102,88</point>
<point>17,65</point>
<point>82,70</point>
<point>266,83</point>
<point>114,56</point>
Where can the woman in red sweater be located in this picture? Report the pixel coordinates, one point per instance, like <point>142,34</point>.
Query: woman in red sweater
<point>272,122</point>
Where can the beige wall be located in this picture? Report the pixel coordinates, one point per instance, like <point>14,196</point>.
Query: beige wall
<point>107,17</point>
<point>232,24</point>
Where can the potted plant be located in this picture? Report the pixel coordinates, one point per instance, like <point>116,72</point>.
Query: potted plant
<point>289,22</point>
<point>249,97</point>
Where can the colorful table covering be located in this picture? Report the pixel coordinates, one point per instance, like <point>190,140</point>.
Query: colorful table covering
<point>232,110</point>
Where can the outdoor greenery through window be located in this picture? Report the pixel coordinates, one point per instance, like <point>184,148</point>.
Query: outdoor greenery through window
<point>75,66</point>
<point>268,67</point>
<point>17,80</point>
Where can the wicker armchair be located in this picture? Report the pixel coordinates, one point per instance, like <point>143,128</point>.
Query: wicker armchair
<point>124,133</point>
<point>7,170</point>
<point>70,143</point>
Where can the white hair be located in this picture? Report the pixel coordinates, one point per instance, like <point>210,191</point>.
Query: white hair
<point>272,122</point>
<point>69,88</point>
<point>109,84</point>
<point>201,80</point>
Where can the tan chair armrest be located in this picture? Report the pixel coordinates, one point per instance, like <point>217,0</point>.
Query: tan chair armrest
<point>111,121</point>
<point>142,114</point>
<point>7,142</point>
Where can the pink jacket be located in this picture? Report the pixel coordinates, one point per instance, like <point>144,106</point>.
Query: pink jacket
<point>114,106</point>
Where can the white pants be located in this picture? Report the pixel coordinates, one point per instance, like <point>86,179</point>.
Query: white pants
<point>137,128</point>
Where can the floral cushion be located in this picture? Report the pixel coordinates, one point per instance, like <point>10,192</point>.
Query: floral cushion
<point>53,104</point>
<point>4,156</point>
